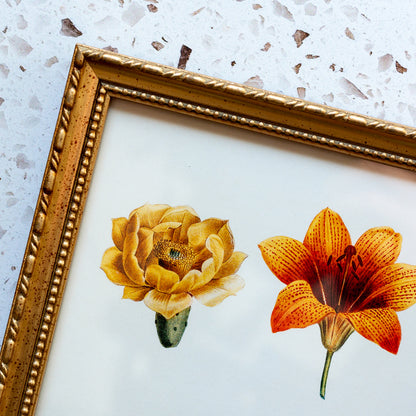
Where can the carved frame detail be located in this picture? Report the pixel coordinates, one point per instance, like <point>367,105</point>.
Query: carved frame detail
<point>95,77</point>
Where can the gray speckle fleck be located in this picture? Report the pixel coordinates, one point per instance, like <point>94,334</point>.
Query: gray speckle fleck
<point>281,10</point>
<point>384,62</point>
<point>2,232</point>
<point>351,12</point>
<point>3,122</point>
<point>4,70</point>
<point>133,14</point>
<point>49,62</point>
<point>22,161</point>
<point>412,112</point>
<point>310,9</point>
<point>301,92</point>
<point>21,22</point>
<point>27,214</point>
<point>111,49</point>
<point>11,201</point>
<point>255,81</point>
<point>351,88</point>
<point>1,100</point>
<point>21,47</point>
<point>69,29</point>
<point>106,22</point>
<point>35,104</point>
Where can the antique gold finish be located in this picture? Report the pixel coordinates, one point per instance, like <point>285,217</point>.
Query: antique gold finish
<point>94,78</point>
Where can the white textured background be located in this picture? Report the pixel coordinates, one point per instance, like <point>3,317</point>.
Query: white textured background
<point>357,57</point>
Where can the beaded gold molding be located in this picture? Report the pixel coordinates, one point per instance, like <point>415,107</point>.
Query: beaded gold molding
<point>94,77</point>
<point>245,91</point>
<point>57,284</point>
<point>38,223</point>
<point>296,135</point>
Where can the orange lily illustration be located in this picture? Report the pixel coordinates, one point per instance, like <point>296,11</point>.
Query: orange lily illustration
<point>340,286</point>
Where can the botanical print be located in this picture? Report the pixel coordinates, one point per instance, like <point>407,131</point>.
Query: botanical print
<point>166,256</point>
<point>340,286</point>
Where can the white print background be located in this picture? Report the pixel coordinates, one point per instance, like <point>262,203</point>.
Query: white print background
<point>106,358</point>
<point>359,56</point>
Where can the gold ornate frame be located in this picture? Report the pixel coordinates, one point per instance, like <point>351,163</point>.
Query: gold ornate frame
<point>95,77</point>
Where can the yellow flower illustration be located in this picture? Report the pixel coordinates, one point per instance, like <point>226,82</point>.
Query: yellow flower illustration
<point>166,256</point>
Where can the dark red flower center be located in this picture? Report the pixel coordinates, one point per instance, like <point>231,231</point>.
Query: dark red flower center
<point>348,265</point>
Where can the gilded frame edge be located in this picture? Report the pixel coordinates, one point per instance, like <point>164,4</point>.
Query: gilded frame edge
<point>95,76</point>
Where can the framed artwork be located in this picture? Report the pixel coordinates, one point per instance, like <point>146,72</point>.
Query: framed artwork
<point>219,264</point>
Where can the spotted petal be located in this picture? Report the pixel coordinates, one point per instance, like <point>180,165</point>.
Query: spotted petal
<point>297,307</point>
<point>327,237</point>
<point>378,247</point>
<point>392,287</point>
<point>381,326</point>
<point>167,304</point>
<point>288,259</point>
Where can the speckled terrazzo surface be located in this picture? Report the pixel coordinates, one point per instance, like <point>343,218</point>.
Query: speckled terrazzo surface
<point>360,58</point>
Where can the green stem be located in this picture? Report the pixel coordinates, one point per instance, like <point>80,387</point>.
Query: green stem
<point>324,378</point>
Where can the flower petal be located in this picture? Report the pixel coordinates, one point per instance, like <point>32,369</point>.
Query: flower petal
<point>378,247</point>
<point>184,215</point>
<point>150,214</point>
<point>165,226</point>
<point>135,293</point>
<point>119,231</point>
<point>188,282</point>
<point>327,236</point>
<point>167,305</point>
<point>145,246</point>
<point>160,278</point>
<point>231,266</point>
<point>217,290</point>
<point>131,242</point>
<point>211,266</point>
<point>381,326</point>
<point>392,287</point>
<point>288,259</point>
<point>112,264</point>
<point>227,240</point>
<point>199,232</point>
<point>297,307</point>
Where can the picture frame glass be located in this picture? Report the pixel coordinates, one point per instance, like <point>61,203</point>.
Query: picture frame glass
<point>106,357</point>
